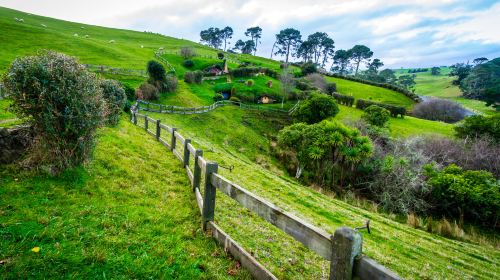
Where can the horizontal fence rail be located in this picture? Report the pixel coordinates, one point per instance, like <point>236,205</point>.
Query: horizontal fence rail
<point>343,249</point>
<point>170,109</point>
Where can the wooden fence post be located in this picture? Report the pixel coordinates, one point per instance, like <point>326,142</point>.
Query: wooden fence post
<point>135,118</point>
<point>209,199</point>
<point>146,122</point>
<point>346,246</point>
<point>158,129</point>
<point>173,141</point>
<point>197,170</point>
<point>186,152</point>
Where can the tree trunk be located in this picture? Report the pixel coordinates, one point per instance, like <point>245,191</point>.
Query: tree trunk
<point>272,50</point>
<point>287,52</point>
<point>299,172</point>
<point>357,66</point>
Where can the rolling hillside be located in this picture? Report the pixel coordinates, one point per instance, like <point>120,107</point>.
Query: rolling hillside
<point>440,86</point>
<point>130,213</point>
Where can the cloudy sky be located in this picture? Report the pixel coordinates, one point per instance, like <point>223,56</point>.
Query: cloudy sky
<point>405,33</point>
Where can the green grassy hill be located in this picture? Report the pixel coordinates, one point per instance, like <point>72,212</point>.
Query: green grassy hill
<point>440,86</point>
<point>129,212</point>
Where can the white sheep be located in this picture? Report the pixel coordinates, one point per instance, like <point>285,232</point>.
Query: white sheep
<point>43,25</point>
<point>142,47</point>
<point>160,49</point>
<point>82,27</point>
<point>111,41</point>
<point>86,36</point>
<point>76,34</point>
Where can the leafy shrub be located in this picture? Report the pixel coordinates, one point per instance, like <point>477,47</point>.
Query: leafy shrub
<point>343,99</point>
<point>129,92</point>
<point>147,91</point>
<point>395,110</point>
<point>316,108</point>
<point>326,152</point>
<point>223,87</point>
<point>170,83</point>
<point>115,98</point>
<point>188,52</point>
<point>195,77</point>
<point>480,126</point>
<point>303,84</point>
<point>376,115</point>
<point>64,103</point>
<point>188,63</point>
<point>331,88</point>
<point>250,82</point>
<point>317,80</point>
<point>439,110</point>
<point>156,71</point>
<point>394,177</point>
<point>471,195</point>
<point>220,55</point>
<point>308,68</point>
<point>218,97</point>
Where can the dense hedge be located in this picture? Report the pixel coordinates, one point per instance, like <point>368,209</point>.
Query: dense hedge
<point>250,71</point>
<point>395,110</point>
<point>406,92</point>
<point>343,99</point>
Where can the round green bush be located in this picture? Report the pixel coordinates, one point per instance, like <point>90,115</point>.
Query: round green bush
<point>235,99</point>
<point>316,108</point>
<point>188,63</point>
<point>376,115</point>
<point>115,98</point>
<point>250,82</point>
<point>64,103</point>
<point>218,97</point>
<point>308,68</point>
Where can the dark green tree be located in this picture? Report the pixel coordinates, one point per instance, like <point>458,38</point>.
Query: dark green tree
<point>306,51</point>
<point>360,53</point>
<point>435,71</point>
<point>287,42</point>
<point>255,33</point>
<point>479,60</point>
<point>388,76</point>
<point>461,71</point>
<point>212,37</point>
<point>407,81</point>
<point>341,60</point>
<point>226,34</point>
<point>483,83</point>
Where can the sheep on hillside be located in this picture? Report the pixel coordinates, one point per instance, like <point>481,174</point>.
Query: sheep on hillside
<point>111,41</point>
<point>87,36</point>
<point>43,25</point>
<point>160,49</point>
<point>76,34</point>
<point>142,47</point>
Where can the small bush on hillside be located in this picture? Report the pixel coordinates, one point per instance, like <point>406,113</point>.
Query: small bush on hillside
<point>316,108</point>
<point>156,71</point>
<point>308,68</point>
<point>218,97</point>
<point>303,84</point>
<point>220,55</point>
<point>439,110</point>
<point>318,81</point>
<point>129,92</point>
<point>188,52</point>
<point>250,82</point>
<point>470,195</point>
<point>331,88</point>
<point>64,103</point>
<point>195,77</point>
<point>480,126</point>
<point>115,98</point>
<point>188,63</point>
<point>170,83</point>
<point>147,91</point>
<point>376,115</point>
<point>343,99</point>
<point>395,110</point>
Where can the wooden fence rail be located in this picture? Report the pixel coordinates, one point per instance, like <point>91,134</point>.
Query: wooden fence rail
<point>343,249</point>
<point>169,109</point>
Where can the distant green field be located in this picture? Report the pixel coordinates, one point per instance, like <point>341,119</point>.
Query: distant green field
<point>441,86</point>
<point>373,93</point>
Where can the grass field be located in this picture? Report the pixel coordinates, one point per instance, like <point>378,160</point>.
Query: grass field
<point>373,93</point>
<point>234,137</point>
<point>129,212</point>
<point>440,86</point>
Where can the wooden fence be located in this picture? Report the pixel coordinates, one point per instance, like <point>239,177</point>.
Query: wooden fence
<point>343,249</point>
<point>170,109</point>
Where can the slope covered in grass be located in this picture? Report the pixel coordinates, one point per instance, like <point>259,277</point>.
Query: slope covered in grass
<point>441,86</point>
<point>129,213</point>
<point>233,137</point>
<point>369,92</point>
